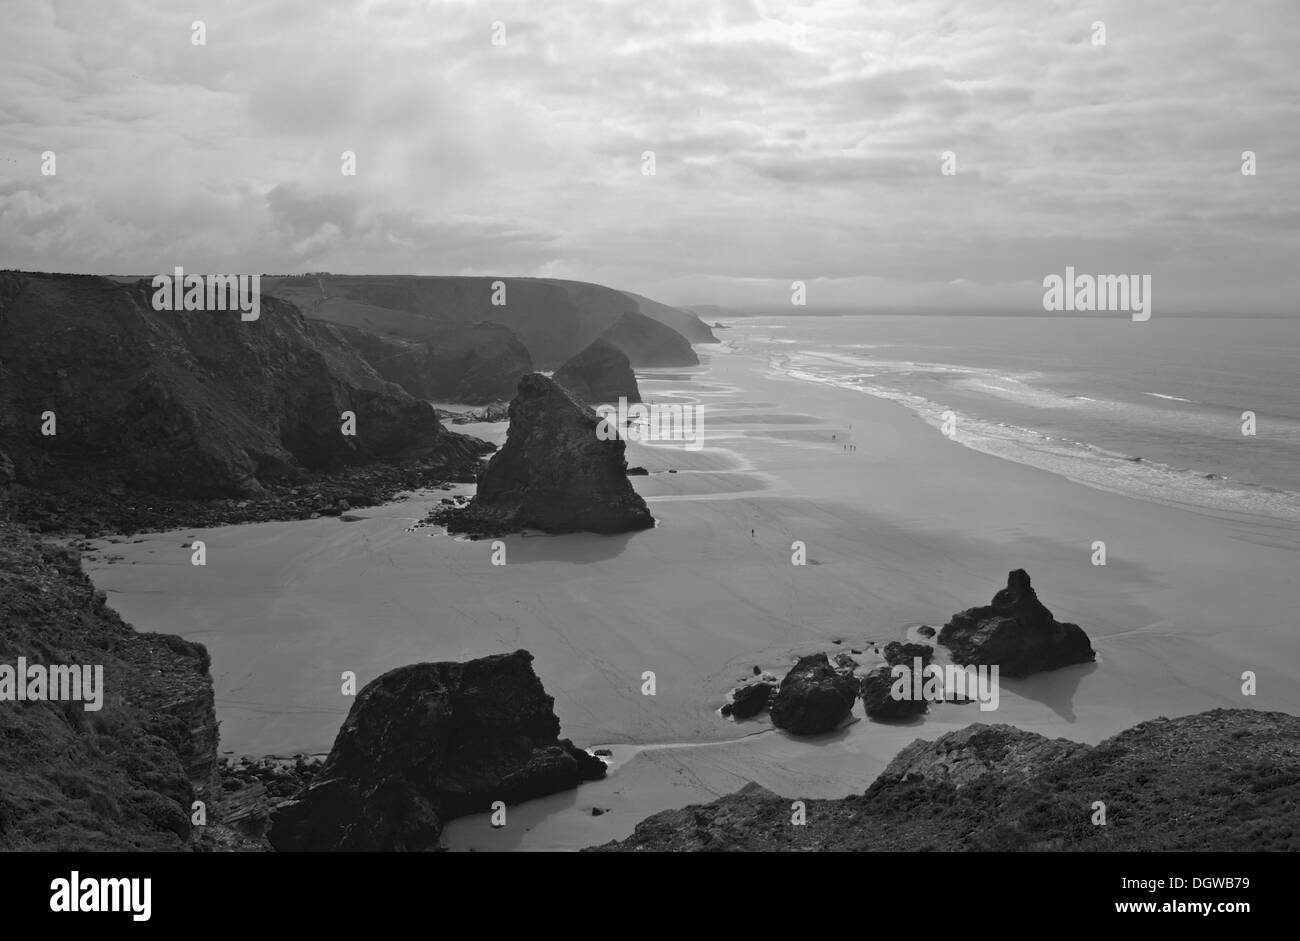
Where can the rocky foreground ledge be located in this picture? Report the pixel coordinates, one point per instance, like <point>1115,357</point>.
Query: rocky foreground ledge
<point>1228,779</point>
<point>126,775</point>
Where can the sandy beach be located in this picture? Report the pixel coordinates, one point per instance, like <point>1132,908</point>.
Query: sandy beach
<point>907,529</point>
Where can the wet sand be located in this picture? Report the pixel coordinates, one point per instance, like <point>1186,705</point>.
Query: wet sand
<point>907,529</point>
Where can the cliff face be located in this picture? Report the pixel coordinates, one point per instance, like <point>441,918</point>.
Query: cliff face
<point>648,343</point>
<point>470,363</point>
<point>555,320</point>
<point>426,743</point>
<point>553,473</point>
<point>1227,779</point>
<point>684,321</point>
<point>599,374</point>
<point>196,404</point>
<point>120,778</point>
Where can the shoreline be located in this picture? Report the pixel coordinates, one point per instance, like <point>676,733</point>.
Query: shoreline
<point>895,537</point>
<point>1015,413</point>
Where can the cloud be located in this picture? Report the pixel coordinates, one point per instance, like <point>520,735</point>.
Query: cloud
<point>792,140</point>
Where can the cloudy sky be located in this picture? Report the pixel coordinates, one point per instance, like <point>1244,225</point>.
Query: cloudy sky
<point>792,140</point>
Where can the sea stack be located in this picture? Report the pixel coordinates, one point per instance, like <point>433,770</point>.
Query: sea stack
<point>426,743</point>
<point>1016,633</point>
<point>601,373</point>
<point>554,472</point>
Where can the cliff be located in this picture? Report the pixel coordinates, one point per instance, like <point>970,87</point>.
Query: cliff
<point>554,319</point>
<point>475,364</point>
<point>190,405</point>
<point>648,343</point>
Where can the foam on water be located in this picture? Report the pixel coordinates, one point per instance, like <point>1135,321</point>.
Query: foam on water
<point>1082,461</point>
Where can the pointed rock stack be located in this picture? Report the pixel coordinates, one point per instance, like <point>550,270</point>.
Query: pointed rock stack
<point>554,473</point>
<point>1017,633</point>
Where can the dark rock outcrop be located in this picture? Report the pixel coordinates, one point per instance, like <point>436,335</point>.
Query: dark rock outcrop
<point>648,343</point>
<point>813,698</point>
<point>749,700</point>
<point>879,701</point>
<point>553,473</point>
<point>1016,632</point>
<point>600,373</point>
<point>426,743</point>
<point>1224,780</point>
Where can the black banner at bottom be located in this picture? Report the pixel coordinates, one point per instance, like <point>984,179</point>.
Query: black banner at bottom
<point>132,891</point>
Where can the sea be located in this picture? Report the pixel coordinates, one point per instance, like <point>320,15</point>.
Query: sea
<point>1155,409</point>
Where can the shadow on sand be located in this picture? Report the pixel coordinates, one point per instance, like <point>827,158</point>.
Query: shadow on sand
<point>1054,689</point>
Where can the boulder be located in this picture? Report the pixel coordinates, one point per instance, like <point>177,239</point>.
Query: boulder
<point>876,690</point>
<point>896,652</point>
<point>749,700</point>
<point>600,373</point>
<point>425,743</point>
<point>813,697</point>
<point>1016,632</point>
<point>554,472</point>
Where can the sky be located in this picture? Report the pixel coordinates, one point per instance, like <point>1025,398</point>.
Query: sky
<point>792,141</point>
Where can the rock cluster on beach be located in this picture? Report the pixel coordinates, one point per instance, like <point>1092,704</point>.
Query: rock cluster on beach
<point>600,373</point>
<point>1224,780</point>
<point>554,473</point>
<point>1016,632</point>
<point>429,742</point>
